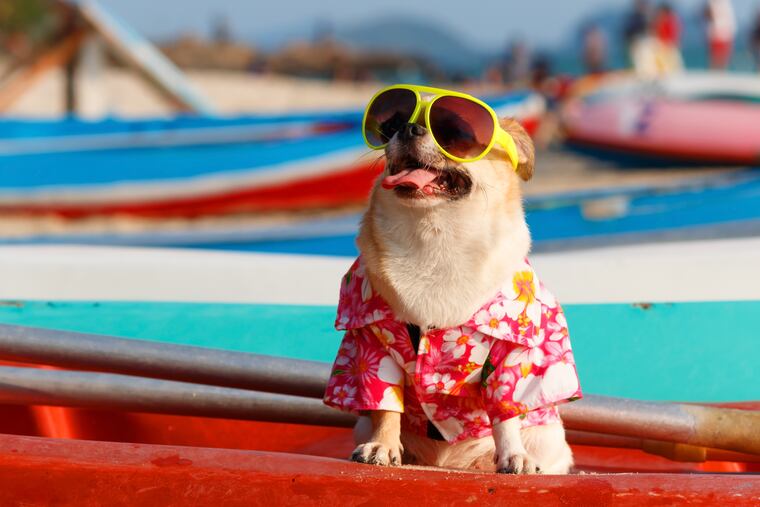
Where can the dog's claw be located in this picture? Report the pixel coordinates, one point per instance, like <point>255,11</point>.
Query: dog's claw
<point>375,453</point>
<point>357,456</point>
<point>519,464</point>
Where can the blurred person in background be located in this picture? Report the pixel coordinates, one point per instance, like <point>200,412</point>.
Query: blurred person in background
<point>518,64</point>
<point>754,40</point>
<point>643,46</point>
<point>512,68</point>
<point>721,30</point>
<point>667,30</point>
<point>636,28</point>
<point>594,50</point>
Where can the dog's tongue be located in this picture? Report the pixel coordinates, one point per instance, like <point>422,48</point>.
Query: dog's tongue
<point>420,179</point>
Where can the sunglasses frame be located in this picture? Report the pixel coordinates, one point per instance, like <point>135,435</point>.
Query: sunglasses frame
<point>500,136</point>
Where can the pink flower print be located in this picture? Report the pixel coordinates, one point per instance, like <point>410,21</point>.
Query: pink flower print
<point>522,330</point>
<point>430,357</point>
<point>491,321</point>
<point>381,333</point>
<point>559,351</point>
<point>541,416</point>
<point>546,297</point>
<point>477,417</point>
<point>346,354</point>
<point>528,390</point>
<point>561,320</point>
<point>437,382</point>
<point>556,325</point>
<point>445,411</point>
<point>556,333</point>
<point>559,382</point>
<point>366,289</point>
<point>514,309</point>
<point>343,319</point>
<point>532,353</point>
<point>455,342</point>
<point>364,367</point>
<point>481,346</point>
<point>344,395</point>
<point>501,387</point>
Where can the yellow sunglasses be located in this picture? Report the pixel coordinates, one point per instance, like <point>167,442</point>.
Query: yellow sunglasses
<point>463,127</point>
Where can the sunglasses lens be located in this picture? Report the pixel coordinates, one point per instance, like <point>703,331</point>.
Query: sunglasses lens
<point>390,111</point>
<point>463,128</point>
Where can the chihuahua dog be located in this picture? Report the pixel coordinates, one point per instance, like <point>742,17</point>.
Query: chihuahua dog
<point>438,241</point>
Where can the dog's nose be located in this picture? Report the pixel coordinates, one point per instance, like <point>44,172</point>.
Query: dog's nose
<point>412,130</point>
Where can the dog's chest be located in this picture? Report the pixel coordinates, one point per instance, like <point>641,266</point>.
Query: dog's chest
<point>436,284</point>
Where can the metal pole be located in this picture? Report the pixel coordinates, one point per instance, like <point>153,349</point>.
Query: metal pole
<point>163,360</point>
<point>35,386</point>
<point>671,450</point>
<point>718,428</point>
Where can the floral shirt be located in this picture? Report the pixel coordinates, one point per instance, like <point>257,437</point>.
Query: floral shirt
<point>511,358</point>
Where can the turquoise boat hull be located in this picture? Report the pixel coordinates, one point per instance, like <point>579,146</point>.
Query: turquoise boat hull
<point>683,351</point>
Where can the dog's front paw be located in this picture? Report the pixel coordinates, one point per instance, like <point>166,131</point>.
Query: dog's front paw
<point>517,464</point>
<point>376,453</point>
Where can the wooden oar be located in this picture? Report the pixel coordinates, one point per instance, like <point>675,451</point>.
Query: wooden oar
<point>718,428</point>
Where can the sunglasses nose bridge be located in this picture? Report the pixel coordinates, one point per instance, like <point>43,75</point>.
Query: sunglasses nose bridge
<point>424,106</point>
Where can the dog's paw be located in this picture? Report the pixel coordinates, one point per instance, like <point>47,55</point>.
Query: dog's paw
<point>517,464</point>
<point>376,453</point>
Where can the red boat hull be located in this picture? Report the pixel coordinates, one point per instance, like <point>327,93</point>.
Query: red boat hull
<point>349,187</point>
<point>37,471</point>
<point>67,456</point>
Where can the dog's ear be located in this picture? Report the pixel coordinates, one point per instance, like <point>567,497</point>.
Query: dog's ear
<point>526,153</point>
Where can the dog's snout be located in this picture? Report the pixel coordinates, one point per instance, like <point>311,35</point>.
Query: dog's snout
<point>412,130</point>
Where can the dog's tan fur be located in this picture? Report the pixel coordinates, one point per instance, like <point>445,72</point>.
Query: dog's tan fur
<point>436,261</point>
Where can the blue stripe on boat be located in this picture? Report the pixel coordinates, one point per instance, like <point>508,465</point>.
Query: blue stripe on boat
<point>683,351</point>
<point>72,169</point>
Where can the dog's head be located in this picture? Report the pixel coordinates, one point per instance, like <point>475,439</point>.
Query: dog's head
<point>420,176</point>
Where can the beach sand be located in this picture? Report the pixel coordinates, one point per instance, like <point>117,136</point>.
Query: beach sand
<point>121,93</point>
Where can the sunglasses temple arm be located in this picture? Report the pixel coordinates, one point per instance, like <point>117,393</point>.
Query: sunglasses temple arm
<point>508,143</point>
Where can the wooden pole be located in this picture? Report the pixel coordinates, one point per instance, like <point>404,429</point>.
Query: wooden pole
<point>70,83</point>
<point>57,56</point>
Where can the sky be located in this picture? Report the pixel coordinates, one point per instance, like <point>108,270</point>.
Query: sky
<point>484,24</point>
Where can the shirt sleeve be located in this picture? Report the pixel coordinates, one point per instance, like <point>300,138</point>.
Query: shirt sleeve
<point>365,376</point>
<point>521,379</point>
<point>499,382</point>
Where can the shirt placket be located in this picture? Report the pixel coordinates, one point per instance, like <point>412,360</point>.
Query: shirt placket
<point>428,340</point>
